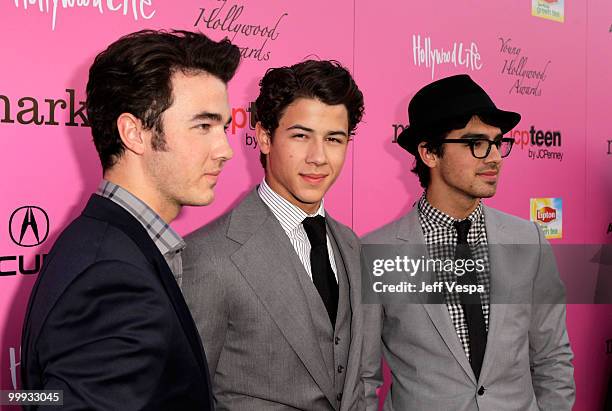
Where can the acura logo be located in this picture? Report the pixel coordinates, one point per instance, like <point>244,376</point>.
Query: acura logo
<point>29,226</point>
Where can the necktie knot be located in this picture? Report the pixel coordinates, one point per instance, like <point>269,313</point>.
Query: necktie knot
<point>463,228</point>
<point>315,230</point>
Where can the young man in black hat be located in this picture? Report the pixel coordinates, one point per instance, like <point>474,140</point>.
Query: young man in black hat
<point>504,347</point>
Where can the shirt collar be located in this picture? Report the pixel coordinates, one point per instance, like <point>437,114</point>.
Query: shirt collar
<point>440,218</point>
<point>165,238</point>
<point>289,215</point>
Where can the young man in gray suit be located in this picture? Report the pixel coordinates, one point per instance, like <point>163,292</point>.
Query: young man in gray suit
<point>274,284</point>
<point>505,348</point>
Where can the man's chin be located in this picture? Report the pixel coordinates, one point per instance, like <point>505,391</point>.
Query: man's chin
<point>200,200</point>
<point>486,193</point>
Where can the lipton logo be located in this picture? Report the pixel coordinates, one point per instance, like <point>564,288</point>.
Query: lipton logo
<point>29,226</point>
<point>546,214</point>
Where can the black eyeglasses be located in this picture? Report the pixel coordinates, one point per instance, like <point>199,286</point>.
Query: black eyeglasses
<point>481,147</point>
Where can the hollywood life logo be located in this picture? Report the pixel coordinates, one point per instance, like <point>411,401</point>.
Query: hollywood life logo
<point>136,8</point>
<point>28,227</point>
<point>540,144</point>
<point>458,55</point>
<point>14,363</point>
<point>32,111</point>
<point>251,37</point>
<point>525,79</point>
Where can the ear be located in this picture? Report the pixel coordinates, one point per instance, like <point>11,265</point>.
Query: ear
<point>131,133</point>
<point>263,138</point>
<point>430,159</point>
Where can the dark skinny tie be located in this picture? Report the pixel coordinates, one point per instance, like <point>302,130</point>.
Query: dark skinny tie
<point>472,306</point>
<point>322,274</point>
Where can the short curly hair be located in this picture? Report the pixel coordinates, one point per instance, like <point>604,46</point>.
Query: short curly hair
<point>134,75</point>
<point>325,80</point>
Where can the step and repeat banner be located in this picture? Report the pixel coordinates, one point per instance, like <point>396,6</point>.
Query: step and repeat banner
<point>546,59</point>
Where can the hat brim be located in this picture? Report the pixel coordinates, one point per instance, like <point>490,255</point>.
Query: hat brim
<point>410,137</point>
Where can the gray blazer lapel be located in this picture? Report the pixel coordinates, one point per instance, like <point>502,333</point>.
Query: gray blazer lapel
<point>410,231</point>
<point>349,255</point>
<point>262,260</point>
<point>500,258</point>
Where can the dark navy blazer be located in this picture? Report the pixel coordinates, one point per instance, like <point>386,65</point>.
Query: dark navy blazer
<point>107,323</point>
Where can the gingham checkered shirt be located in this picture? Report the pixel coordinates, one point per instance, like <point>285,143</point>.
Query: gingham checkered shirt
<point>290,218</point>
<point>167,241</point>
<point>441,239</point>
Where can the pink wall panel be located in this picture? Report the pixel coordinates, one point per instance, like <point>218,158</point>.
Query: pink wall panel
<point>46,54</point>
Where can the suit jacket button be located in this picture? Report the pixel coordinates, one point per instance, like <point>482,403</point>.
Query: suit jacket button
<point>340,369</point>
<point>481,390</point>
<point>339,397</point>
<point>337,340</point>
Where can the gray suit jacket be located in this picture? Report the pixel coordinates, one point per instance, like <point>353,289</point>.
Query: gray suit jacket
<point>242,283</point>
<point>527,360</point>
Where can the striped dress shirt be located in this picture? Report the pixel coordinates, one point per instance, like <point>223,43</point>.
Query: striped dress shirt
<point>290,218</point>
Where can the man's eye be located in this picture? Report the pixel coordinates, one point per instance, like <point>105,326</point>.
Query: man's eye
<point>299,135</point>
<point>204,126</point>
<point>334,139</point>
<point>477,143</point>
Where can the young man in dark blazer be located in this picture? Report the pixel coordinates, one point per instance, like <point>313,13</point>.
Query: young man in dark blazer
<point>106,322</point>
<point>504,347</point>
<point>274,284</point>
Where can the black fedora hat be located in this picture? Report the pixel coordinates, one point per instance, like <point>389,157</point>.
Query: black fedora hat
<point>449,104</point>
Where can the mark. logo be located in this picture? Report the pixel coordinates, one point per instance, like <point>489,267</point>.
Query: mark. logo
<point>29,226</point>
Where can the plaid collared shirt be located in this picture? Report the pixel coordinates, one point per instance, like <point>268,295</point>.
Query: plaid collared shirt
<point>290,218</point>
<point>441,239</point>
<point>167,241</point>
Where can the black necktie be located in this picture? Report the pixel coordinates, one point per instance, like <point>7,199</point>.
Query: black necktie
<point>472,307</point>
<point>322,274</point>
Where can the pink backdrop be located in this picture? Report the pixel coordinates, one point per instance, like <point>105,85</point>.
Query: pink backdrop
<point>47,52</point>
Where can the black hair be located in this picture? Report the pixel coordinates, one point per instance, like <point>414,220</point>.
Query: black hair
<point>326,81</point>
<point>133,75</point>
